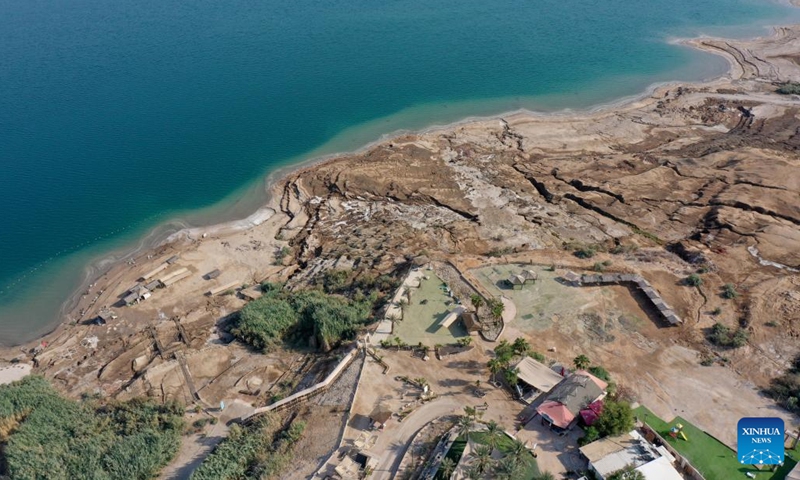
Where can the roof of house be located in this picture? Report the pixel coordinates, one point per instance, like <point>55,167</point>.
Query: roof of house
<point>571,276</point>
<point>592,279</point>
<point>516,279</point>
<point>348,468</point>
<point>538,376</point>
<point>574,393</point>
<point>381,415</point>
<point>611,454</point>
<point>471,321</point>
<point>662,469</point>
<point>529,275</point>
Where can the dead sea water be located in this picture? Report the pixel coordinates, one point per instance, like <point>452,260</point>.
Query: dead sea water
<point>116,117</point>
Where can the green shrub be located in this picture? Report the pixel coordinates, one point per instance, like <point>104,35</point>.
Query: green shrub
<point>599,267</point>
<point>585,252</point>
<point>537,356</point>
<point>600,372</point>
<point>591,434</point>
<point>693,280</point>
<point>729,291</point>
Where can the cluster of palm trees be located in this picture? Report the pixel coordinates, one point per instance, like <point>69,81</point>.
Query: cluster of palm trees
<point>495,306</point>
<point>504,354</point>
<point>482,464</point>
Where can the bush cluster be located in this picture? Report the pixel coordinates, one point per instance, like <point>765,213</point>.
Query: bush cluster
<point>44,432</point>
<point>297,317</point>
<point>786,388</point>
<point>721,335</point>
<point>789,88</point>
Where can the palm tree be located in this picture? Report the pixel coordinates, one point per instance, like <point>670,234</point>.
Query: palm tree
<point>581,362</point>
<point>471,412</point>
<point>545,476</point>
<point>483,457</point>
<point>465,427</point>
<point>493,433</point>
<point>477,301</point>
<point>512,376</point>
<point>521,346</point>
<point>472,474</point>
<point>447,467</point>
<point>495,366</point>
<point>497,307</point>
<point>506,469</point>
<point>517,451</point>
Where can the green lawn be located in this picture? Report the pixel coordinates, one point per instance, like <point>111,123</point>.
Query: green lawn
<point>529,471</point>
<point>711,457</point>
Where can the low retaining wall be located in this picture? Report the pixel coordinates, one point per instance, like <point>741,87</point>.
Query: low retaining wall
<point>308,393</point>
<point>682,463</point>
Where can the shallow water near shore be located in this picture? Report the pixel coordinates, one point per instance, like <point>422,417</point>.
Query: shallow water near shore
<point>121,120</point>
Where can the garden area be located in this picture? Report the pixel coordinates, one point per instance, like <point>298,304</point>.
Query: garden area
<point>711,457</point>
<point>423,311</point>
<point>515,460</point>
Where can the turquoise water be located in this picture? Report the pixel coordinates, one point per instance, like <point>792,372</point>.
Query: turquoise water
<point>118,116</point>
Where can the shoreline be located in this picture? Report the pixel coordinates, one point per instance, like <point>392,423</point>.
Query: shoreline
<point>178,228</point>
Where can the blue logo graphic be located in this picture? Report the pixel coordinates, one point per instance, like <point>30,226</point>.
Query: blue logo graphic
<point>760,441</point>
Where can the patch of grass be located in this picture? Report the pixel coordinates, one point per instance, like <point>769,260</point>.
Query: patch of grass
<point>711,457</point>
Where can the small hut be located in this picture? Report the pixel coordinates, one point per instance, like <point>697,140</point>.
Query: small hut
<point>516,281</point>
<point>572,279</point>
<point>529,276</point>
<point>380,416</point>
<point>104,316</point>
<point>137,294</point>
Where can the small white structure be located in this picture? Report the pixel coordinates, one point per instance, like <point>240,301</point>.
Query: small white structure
<point>660,468</point>
<point>452,317</point>
<point>611,454</point>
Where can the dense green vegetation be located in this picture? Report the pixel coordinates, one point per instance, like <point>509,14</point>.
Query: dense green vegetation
<point>786,388</point>
<point>318,317</point>
<point>261,450</point>
<point>505,353</point>
<point>43,435</point>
